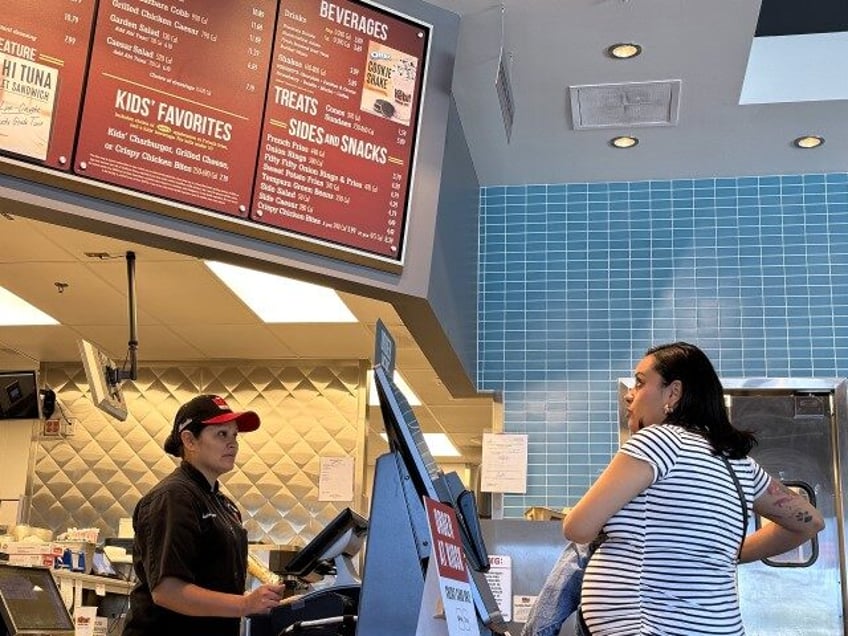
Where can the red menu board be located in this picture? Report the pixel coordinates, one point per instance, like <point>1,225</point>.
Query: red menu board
<point>43,56</point>
<point>174,100</point>
<point>341,118</point>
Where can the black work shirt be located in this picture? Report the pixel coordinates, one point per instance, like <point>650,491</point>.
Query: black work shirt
<point>188,530</point>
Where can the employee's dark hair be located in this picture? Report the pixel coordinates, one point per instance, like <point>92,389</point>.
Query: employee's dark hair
<point>701,407</point>
<point>174,443</point>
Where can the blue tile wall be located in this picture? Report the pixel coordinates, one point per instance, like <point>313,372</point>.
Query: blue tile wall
<point>578,280</point>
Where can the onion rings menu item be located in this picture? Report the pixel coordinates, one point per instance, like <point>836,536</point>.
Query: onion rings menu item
<point>174,99</point>
<point>341,118</point>
<point>43,56</point>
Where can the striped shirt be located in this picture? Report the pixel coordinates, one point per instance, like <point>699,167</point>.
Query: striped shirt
<point>668,566</point>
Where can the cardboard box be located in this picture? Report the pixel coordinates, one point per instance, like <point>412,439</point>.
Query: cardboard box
<point>32,560</point>
<point>31,547</point>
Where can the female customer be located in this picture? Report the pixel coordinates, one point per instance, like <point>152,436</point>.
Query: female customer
<point>672,512</point>
<point>190,549</point>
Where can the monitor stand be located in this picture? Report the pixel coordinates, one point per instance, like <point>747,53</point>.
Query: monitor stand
<point>392,577</point>
<point>345,571</point>
<point>396,554</point>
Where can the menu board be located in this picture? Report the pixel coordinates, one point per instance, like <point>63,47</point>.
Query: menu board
<point>341,119</point>
<point>297,118</point>
<point>43,56</point>
<point>174,100</point>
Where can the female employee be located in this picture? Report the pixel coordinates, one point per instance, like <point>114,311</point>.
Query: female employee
<point>190,549</point>
<point>671,510</point>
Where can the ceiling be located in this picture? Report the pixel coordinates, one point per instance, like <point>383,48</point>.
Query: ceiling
<point>185,313</point>
<point>549,45</point>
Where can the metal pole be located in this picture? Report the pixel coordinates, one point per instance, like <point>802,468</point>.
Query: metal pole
<point>133,343</point>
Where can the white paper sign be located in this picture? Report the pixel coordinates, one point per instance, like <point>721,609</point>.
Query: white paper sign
<point>499,577</point>
<point>522,606</point>
<point>84,618</point>
<point>335,483</point>
<point>447,607</point>
<point>101,626</point>
<point>504,466</point>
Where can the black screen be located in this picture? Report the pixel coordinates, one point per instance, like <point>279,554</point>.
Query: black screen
<point>31,600</point>
<point>405,436</point>
<point>18,395</point>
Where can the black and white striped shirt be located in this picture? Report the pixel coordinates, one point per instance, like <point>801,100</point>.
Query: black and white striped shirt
<point>668,566</point>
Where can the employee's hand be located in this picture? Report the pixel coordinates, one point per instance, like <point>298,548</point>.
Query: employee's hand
<point>263,599</point>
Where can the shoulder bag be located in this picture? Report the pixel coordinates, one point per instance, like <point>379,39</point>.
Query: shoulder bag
<point>742,501</point>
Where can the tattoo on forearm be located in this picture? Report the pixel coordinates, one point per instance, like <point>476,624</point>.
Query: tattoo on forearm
<point>803,517</point>
<point>783,494</point>
<point>787,500</point>
<point>777,488</point>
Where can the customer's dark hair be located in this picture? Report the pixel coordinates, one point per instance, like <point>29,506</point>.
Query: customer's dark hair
<point>701,407</point>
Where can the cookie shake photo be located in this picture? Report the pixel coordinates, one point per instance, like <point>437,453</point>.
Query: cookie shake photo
<point>389,83</point>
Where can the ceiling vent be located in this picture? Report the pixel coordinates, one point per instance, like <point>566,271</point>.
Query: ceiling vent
<point>625,105</point>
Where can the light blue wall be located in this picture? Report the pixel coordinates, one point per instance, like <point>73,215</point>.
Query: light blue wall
<point>578,280</point>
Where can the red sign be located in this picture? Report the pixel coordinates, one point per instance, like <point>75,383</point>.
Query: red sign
<point>447,548</point>
<point>341,117</point>
<point>43,56</point>
<point>174,99</point>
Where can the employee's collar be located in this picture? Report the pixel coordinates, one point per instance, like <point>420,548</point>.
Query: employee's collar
<point>197,476</point>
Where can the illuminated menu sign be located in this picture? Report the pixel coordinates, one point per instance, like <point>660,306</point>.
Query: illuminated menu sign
<point>341,117</point>
<point>174,100</point>
<point>43,55</point>
<point>297,118</point>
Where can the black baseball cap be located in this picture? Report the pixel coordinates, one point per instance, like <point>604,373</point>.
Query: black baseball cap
<point>205,410</point>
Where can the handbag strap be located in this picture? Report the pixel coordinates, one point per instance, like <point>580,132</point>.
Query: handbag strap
<point>742,501</point>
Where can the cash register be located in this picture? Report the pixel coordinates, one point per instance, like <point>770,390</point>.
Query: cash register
<point>30,603</point>
<point>331,609</point>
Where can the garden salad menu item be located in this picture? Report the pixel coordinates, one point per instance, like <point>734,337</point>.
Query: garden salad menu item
<point>174,99</point>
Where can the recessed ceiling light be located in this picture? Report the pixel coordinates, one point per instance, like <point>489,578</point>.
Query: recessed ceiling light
<point>439,444</point>
<point>808,141</point>
<point>16,312</point>
<point>277,299</point>
<point>624,50</point>
<point>624,141</point>
<point>403,387</point>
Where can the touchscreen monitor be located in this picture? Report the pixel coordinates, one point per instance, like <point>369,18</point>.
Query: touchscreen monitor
<point>30,602</point>
<point>343,535</point>
<point>103,377</point>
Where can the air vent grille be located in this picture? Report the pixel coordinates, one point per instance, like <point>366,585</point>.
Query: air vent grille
<point>625,105</point>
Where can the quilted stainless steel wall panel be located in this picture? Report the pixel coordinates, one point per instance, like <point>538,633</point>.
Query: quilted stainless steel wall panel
<point>95,476</point>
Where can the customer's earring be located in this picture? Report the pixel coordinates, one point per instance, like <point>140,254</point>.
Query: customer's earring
<point>667,409</point>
